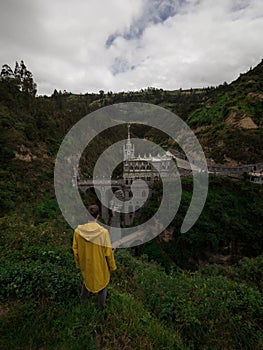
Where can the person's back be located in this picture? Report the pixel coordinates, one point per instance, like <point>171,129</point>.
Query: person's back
<point>93,256</point>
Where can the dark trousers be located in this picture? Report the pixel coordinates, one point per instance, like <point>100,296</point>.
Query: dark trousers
<point>85,295</point>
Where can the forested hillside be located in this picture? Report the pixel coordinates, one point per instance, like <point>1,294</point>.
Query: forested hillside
<point>198,290</point>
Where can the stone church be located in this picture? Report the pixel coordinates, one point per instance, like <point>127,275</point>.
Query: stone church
<point>148,168</point>
<point>135,167</point>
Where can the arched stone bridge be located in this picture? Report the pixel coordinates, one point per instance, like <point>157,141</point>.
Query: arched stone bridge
<point>104,185</point>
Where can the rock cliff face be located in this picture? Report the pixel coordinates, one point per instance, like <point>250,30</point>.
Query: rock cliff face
<point>240,120</point>
<point>167,235</point>
<point>256,96</point>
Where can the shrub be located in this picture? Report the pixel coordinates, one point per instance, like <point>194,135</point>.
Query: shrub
<point>209,312</point>
<point>38,280</point>
<point>249,271</point>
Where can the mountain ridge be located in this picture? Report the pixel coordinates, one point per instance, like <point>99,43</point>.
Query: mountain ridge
<point>227,120</point>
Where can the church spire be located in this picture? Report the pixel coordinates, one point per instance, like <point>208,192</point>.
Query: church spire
<point>129,135</point>
<point>128,149</point>
<point>128,143</point>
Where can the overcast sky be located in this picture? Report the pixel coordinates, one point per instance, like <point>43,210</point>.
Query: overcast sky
<point>122,45</point>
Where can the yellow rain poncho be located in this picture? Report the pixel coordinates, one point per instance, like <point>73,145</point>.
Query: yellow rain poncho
<point>93,255</point>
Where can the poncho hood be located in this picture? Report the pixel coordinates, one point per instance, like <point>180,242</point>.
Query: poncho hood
<point>91,232</point>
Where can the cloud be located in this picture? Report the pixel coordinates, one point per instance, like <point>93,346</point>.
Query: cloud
<point>117,45</point>
<point>204,43</point>
<point>152,12</point>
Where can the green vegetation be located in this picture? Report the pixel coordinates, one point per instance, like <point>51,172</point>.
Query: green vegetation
<point>228,228</point>
<point>201,290</point>
<point>230,121</point>
<point>146,308</point>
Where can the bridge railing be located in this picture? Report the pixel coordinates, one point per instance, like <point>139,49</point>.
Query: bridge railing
<point>102,182</point>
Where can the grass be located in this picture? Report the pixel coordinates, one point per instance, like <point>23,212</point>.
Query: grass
<point>146,307</point>
<point>123,324</point>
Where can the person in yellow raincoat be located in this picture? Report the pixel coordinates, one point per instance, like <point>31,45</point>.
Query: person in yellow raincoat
<point>94,257</point>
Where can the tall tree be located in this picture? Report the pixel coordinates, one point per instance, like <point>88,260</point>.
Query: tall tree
<point>27,82</point>
<point>21,77</point>
<point>18,79</point>
<point>6,73</point>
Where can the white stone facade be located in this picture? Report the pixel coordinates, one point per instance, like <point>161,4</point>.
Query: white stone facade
<point>148,168</point>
